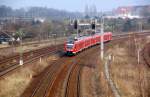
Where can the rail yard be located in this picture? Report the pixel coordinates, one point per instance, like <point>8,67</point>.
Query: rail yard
<point>64,76</point>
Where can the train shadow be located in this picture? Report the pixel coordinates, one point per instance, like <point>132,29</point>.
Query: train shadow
<point>60,53</point>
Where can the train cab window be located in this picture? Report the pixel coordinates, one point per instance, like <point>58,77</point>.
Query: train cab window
<point>70,41</point>
<point>69,46</point>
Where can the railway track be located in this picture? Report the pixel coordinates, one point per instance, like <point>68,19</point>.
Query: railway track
<point>73,83</point>
<point>40,91</point>
<point>15,58</point>
<point>66,71</point>
<point>73,87</point>
<point>120,36</point>
<point>8,65</point>
<point>13,54</point>
<point>26,54</point>
<point>48,78</point>
<point>75,92</point>
<point>26,44</point>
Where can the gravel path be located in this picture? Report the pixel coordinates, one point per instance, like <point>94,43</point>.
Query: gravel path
<point>111,83</point>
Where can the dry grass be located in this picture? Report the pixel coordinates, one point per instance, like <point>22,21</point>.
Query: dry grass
<point>93,82</point>
<point>148,39</point>
<point>131,79</point>
<point>3,45</point>
<point>15,84</point>
<point>35,46</point>
<point>32,47</point>
<point>99,82</point>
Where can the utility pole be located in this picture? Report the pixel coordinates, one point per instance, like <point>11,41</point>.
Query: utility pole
<point>21,52</point>
<point>20,34</point>
<point>77,33</point>
<point>55,36</point>
<point>138,48</point>
<point>102,37</point>
<point>137,42</point>
<point>77,29</point>
<point>95,25</point>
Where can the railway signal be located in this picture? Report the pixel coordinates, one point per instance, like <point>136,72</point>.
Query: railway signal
<point>76,26</point>
<point>93,25</point>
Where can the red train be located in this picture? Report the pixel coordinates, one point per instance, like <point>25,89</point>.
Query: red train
<point>75,45</point>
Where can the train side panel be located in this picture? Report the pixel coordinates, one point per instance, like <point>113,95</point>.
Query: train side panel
<point>86,42</point>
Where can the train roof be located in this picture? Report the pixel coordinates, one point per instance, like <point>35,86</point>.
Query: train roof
<point>86,36</point>
<point>73,39</point>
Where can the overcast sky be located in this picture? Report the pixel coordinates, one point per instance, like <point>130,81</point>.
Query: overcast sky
<point>74,5</point>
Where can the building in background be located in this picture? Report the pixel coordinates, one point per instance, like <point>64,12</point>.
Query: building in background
<point>130,12</point>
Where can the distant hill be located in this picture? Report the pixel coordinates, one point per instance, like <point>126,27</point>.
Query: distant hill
<point>42,12</point>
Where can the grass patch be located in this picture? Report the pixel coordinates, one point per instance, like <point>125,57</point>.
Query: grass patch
<point>132,79</point>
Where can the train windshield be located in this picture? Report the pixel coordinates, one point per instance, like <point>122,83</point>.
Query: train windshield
<point>70,41</point>
<point>69,46</point>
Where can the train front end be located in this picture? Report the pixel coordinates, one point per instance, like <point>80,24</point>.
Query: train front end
<point>69,47</point>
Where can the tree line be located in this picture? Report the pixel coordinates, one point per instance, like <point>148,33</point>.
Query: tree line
<point>44,12</point>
